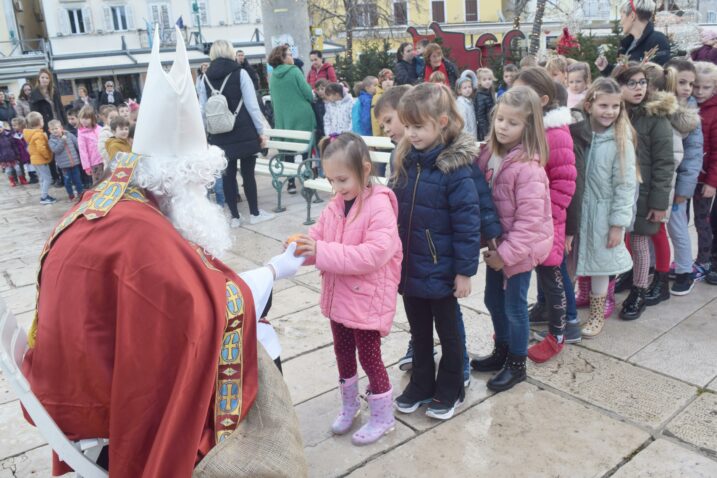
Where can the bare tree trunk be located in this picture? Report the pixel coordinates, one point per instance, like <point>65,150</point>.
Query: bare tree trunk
<point>537,27</point>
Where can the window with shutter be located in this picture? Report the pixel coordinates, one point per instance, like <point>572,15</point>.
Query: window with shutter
<point>160,14</point>
<point>400,13</point>
<point>365,15</point>
<point>63,22</point>
<point>240,10</point>
<point>471,10</point>
<point>203,15</point>
<point>438,11</point>
<point>76,21</point>
<point>87,19</point>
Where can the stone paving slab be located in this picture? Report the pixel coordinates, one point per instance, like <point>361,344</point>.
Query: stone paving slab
<point>16,435</point>
<point>637,394</point>
<point>311,280</point>
<point>513,432</point>
<point>664,459</point>
<point>330,455</point>
<point>21,299</point>
<point>713,386</point>
<point>687,352</point>
<point>35,463</point>
<point>302,331</point>
<point>254,246</point>
<point>623,339</point>
<point>475,393</point>
<point>292,299</point>
<point>26,275</point>
<point>6,395</point>
<point>697,424</point>
<point>316,373</point>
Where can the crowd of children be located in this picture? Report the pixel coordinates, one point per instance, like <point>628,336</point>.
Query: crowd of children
<point>587,183</point>
<point>80,149</point>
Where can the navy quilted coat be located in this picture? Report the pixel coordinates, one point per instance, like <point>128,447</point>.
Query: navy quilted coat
<point>439,218</point>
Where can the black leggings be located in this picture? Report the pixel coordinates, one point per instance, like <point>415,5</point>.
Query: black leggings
<point>231,188</point>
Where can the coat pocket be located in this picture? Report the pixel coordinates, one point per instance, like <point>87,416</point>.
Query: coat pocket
<point>431,246</point>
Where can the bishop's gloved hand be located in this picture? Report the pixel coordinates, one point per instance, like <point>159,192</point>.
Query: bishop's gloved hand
<point>287,264</point>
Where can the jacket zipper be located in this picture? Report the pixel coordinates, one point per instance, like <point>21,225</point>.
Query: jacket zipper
<point>333,282</point>
<point>410,219</point>
<point>431,246</point>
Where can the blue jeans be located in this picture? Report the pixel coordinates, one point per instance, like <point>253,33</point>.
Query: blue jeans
<point>72,176</point>
<point>462,336</point>
<point>509,309</point>
<point>571,313</point>
<point>219,191</point>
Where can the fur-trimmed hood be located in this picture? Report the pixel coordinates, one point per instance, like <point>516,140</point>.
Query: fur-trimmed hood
<point>660,104</point>
<point>557,117</point>
<point>686,118</point>
<point>468,74</point>
<point>461,152</point>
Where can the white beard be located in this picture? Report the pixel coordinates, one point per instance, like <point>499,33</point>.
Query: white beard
<point>180,186</point>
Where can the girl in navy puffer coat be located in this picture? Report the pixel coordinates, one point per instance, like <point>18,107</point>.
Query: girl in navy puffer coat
<point>439,226</point>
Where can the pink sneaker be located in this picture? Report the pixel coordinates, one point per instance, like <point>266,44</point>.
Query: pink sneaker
<point>583,298</point>
<point>545,350</point>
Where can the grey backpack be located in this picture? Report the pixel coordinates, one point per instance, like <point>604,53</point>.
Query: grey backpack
<point>219,119</point>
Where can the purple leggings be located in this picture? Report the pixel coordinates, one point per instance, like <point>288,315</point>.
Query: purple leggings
<point>368,344</point>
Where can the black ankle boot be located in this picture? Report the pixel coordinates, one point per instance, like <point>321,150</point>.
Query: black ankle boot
<point>538,314</point>
<point>511,374</point>
<point>634,305</point>
<point>492,362</point>
<point>623,282</point>
<point>659,290</point>
<point>33,177</point>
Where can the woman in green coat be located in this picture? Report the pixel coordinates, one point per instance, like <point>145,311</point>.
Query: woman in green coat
<point>291,96</point>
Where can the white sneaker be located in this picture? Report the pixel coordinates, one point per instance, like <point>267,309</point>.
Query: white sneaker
<point>235,222</point>
<point>261,217</point>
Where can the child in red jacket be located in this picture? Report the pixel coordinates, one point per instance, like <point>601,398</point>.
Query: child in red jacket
<point>704,92</point>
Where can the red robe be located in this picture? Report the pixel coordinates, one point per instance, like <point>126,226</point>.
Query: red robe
<point>130,327</point>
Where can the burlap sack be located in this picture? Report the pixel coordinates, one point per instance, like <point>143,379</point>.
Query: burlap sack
<point>267,443</point>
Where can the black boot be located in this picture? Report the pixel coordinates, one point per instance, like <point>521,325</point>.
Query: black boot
<point>492,362</point>
<point>659,290</point>
<point>511,374</point>
<point>634,305</point>
<point>33,177</point>
<point>623,282</point>
<point>538,313</point>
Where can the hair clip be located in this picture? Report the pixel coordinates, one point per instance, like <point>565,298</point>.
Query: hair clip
<point>632,5</point>
<point>333,136</point>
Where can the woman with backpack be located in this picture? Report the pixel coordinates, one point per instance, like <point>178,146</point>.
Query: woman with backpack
<point>245,139</point>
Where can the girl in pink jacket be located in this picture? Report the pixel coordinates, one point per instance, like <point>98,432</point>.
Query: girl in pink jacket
<point>553,281</point>
<point>355,245</point>
<point>513,165</point>
<point>87,136</point>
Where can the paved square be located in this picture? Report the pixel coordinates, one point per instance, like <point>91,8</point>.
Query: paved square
<point>638,401</point>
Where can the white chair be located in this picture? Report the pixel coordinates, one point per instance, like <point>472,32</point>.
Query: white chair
<point>80,455</point>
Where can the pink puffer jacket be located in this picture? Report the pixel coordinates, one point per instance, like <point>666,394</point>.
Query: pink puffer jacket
<point>522,198</point>
<point>359,257</point>
<point>87,139</point>
<point>561,175</point>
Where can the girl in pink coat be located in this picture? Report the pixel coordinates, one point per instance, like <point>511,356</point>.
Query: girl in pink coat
<point>553,281</point>
<point>87,137</point>
<point>355,245</point>
<point>513,165</point>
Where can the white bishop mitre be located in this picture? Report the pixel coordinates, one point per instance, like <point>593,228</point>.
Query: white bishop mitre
<point>169,121</point>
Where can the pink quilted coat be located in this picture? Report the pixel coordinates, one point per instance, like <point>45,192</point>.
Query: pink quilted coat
<point>359,257</point>
<point>87,144</point>
<point>561,175</point>
<point>522,199</point>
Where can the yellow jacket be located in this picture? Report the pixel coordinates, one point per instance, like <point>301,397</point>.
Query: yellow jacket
<point>116,145</point>
<point>37,146</point>
<point>375,125</point>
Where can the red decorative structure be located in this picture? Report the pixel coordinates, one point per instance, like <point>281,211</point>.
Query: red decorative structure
<point>486,47</point>
<point>567,44</point>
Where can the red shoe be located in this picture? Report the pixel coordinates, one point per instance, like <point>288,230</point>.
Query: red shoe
<point>545,350</point>
<point>12,181</point>
<point>23,181</point>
